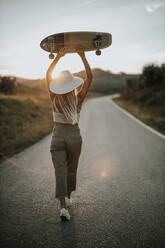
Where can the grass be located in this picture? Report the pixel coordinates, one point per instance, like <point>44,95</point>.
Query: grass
<point>25,119</point>
<point>152,116</point>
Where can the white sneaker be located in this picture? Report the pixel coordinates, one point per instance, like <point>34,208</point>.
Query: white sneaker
<point>64,214</point>
<point>68,201</point>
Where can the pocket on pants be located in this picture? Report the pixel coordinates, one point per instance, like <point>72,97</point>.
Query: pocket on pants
<point>74,145</point>
<point>57,143</point>
<point>77,138</point>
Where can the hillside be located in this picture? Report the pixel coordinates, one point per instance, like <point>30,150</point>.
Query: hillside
<point>104,82</point>
<point>32,83</point>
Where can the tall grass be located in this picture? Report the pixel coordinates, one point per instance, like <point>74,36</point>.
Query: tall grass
<point>25,117</point>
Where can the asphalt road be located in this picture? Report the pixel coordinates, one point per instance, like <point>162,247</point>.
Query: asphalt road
<point>120,196</point>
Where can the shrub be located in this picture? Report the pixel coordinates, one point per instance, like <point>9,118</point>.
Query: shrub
<point>154,76</point>
<point>131,83</point>
<point>8,85</point>
<point>130,91</point>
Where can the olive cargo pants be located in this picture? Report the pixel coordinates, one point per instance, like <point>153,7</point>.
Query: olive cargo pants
<point>65,148</point>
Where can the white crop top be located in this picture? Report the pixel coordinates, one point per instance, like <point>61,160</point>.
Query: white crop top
<point>60,117</point>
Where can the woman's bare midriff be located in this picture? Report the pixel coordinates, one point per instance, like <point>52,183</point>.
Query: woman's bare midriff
<point>65,124</point>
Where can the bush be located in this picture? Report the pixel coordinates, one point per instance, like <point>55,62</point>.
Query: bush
<point>7,85</point>
<point>130,91</point>
<point>154,76</point>
<point>132,83</point>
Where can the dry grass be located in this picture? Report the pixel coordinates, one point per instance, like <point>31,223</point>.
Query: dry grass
<point>25,119</point>
<point>149,115</point>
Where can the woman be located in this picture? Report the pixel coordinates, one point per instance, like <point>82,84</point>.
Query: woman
<point>66,139</point>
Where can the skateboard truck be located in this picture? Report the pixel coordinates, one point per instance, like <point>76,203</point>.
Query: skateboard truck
<point>97,43</point>
<point>51,45</point>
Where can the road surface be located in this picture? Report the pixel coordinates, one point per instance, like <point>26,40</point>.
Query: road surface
<point>120,198</point>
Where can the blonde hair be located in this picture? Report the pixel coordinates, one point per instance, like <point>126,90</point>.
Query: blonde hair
<point>67,104</point>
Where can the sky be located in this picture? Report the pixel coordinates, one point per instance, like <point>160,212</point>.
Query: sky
<point>137,28</point>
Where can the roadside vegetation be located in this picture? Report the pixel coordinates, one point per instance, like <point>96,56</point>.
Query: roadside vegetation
<point>144,96</point>
<point>25,116</point>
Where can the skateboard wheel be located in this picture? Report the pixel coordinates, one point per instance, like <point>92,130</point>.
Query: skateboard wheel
<point>51,56</point>
<point>98,52</point>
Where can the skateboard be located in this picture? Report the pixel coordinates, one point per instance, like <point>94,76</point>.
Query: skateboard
<point>89,41</point>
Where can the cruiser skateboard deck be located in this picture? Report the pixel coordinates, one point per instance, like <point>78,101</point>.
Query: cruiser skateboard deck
<point>88,41</point>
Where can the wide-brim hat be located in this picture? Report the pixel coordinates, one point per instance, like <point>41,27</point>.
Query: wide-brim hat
<point>64,83</point>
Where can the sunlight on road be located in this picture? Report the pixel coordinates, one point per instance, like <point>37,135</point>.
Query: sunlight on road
<point>103,168</point>
<point>103,174</point>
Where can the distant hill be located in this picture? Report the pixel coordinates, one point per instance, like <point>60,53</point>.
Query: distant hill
<point>32,83</point>
<point>106,81</point>
<point>103,81</point>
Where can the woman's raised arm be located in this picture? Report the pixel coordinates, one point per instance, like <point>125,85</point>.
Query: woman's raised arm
<point>84,89</point>
<point>60,54</point>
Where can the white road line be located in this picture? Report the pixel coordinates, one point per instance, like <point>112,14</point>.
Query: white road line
<point>133,117</point>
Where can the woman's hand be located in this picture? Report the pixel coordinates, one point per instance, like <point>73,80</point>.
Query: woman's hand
<point>61,52</point>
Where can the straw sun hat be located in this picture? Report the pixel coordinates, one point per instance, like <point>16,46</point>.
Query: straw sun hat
<point>64,83</point>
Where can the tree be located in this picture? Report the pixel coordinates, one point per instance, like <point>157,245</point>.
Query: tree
<point>153,76</point>
<point>7,84</point>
